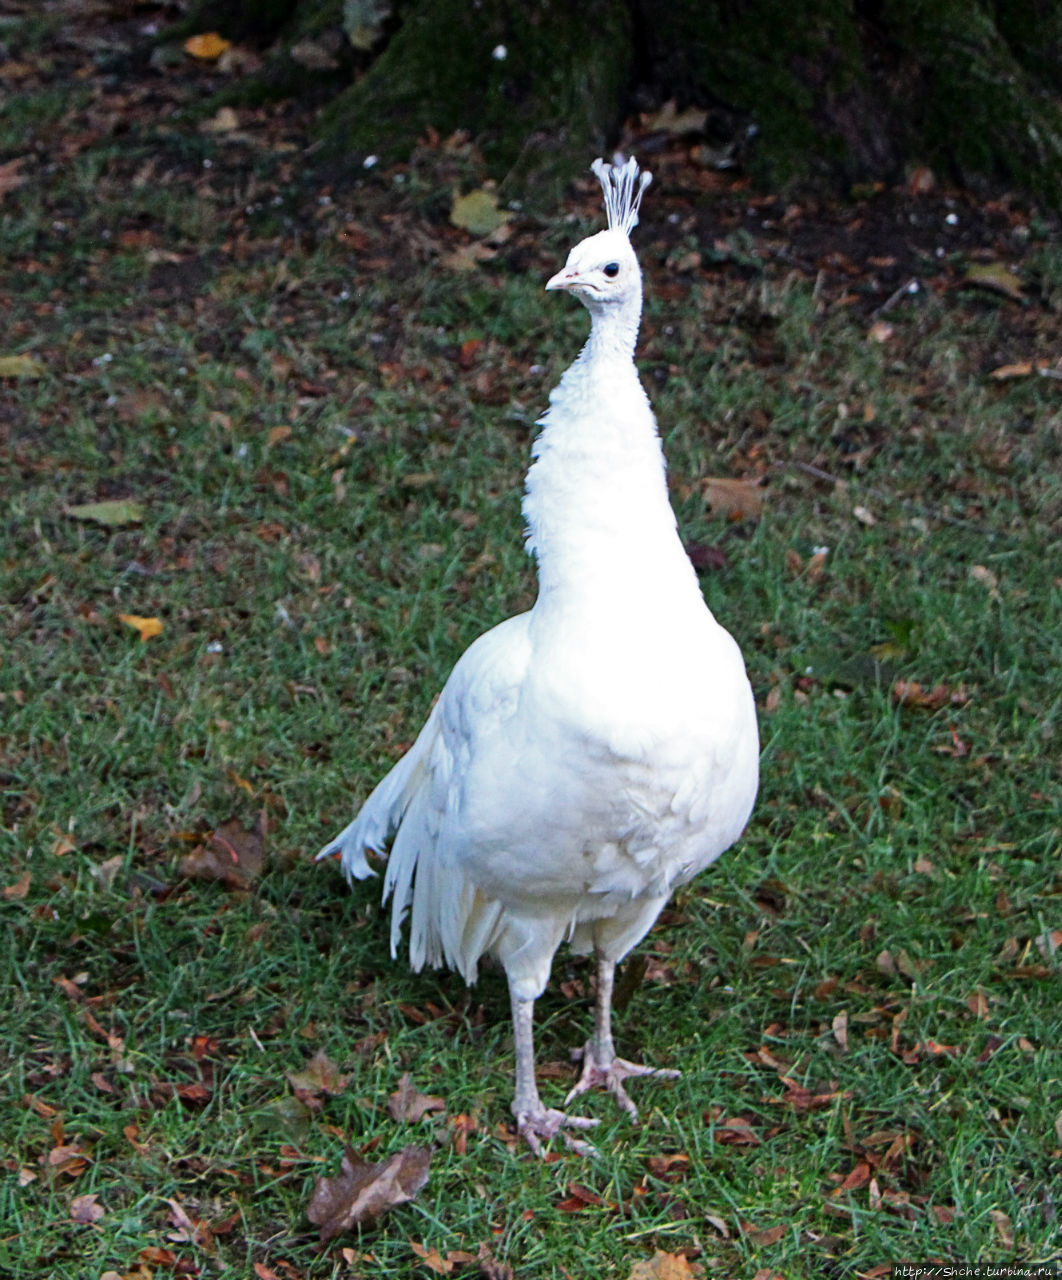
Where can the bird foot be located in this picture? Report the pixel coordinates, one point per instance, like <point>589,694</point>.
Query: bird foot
<point>611,1077</point>
<point>537,1126</point>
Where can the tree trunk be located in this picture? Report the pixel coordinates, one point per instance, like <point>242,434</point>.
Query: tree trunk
<point>536,83</point>
<point>814,90</point>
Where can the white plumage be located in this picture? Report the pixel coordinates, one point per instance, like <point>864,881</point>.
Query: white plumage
<point>587,757</point>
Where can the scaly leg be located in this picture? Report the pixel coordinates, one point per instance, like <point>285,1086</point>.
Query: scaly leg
<point>601,1067</point>
<point>534,1122</point>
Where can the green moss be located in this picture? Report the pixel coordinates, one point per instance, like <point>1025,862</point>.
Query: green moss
<point>980,113</point>
<point>781,69</point>
<point>555,93</point>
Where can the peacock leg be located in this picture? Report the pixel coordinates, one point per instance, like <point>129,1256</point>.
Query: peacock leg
<point>601,1067</point>
<point>534,1122</point>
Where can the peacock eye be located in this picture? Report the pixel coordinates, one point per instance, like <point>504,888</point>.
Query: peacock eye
<point>612,270</point>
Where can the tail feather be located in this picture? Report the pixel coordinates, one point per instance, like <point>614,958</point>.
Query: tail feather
<point>380,815</point>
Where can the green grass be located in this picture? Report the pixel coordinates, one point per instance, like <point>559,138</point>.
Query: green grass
<point>331,515</point>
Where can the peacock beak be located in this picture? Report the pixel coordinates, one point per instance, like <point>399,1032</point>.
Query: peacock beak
<point>566,278</point>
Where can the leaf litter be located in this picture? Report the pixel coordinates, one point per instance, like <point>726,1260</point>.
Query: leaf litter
<point>362,1193</point>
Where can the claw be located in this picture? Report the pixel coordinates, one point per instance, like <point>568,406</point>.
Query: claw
<point>538,1126</point>
<point>612,1076</point>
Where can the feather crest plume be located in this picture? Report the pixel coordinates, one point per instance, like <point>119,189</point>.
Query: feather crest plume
<point>623,184</point>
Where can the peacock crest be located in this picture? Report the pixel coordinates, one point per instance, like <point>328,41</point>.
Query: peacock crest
<point>623,184</point>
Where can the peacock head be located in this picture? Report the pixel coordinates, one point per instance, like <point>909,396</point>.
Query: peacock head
<point>602,271</point>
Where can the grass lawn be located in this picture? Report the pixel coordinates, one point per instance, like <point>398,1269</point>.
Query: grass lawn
<point>321,405</point>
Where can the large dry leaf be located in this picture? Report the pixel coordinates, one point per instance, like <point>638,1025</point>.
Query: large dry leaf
<point>360,1194</point>
<point>664,1266</point>
<point>735,499</point>
<point>233,855</point>
<point>407,1104</point>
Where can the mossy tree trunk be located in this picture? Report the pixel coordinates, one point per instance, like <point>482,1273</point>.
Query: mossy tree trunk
<point>850,89</point>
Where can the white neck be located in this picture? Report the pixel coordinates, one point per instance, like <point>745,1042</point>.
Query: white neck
<point>599,521</point>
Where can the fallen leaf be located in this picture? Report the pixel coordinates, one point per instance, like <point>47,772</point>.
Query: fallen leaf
<point>478,213</point>
<point>86,1208</point>
<point>734,1131</point>
<point>225,120</point>
<point>980,573</point>
<point>1049,943</point>
<point>705,557</point>
<point>320,1075</point>
<point>839,1027</point>
<point>880,331</point>
<point>407,1104</point>
<point>188,1230</point>
<point>978,1005</point>
<point>233,854</point>
<point>1004,1227</point>
<point>490,1268</point>
<point>996,277</point>
<point>669,119</point>
<point>735,499</point>
<point>207,47</point>
<point>148,627</point>
<point>664,1266</point>
<point>68,1159</point>
<point>909,693</point>
<point>361,1193</point>
<point>115,513</point>
<point>17,891</point>
<point>316,55</point>
<point>1020,370</point>
<point>433,1259</point>
<point>859,1177</point>
<point>20,367</point>
<point>10,178</point>
<point>769,1236</point>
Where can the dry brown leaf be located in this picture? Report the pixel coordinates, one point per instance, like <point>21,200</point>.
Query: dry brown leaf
<point>86,1208</point>
<point>490,1268</point>
<point>188,1230</point>
<point>433,1259</point>
<point>362,1193</point>
<point>407,1104</point>
<point>1020,370</point>
<point>17,891</point>
<point>1049,942</point>
<point>207,47</point>
<point>771,1235</point>
<point>149,628</point>
<point>909,693</point>
<point>978,1005</point>
<point>665,1266</point>
<point>233,855</point>
<point>839,1027</point>
<point>736,1131</point>
<point>735,499</point>
<point>1004,1227</point>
